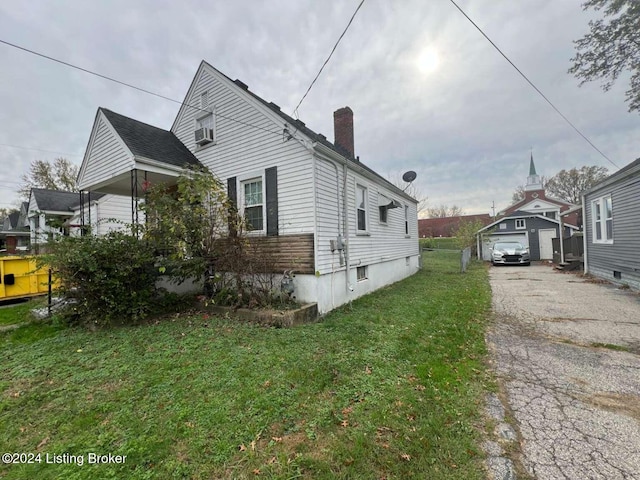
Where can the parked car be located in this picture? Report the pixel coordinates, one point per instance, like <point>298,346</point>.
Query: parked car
<point>510,253</point>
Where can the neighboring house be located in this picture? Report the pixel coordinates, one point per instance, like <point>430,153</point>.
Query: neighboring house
<point>340,226</point>
<point>14,230</point>
<point>447,226</point>
<point>612,227</point>
<point>47,212</point>
<point>101,212</point>
<point>532,230</point>
<point>534,221</point>
<point>537,201</point>
<point>53,212</point>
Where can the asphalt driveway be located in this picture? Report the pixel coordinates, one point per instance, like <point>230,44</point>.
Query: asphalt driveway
<point>567,355</point>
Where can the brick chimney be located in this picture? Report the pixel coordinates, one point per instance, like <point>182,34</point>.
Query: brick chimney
<point>343,129</point>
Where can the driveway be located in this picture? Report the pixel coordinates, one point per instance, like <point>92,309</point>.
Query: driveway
<point>566,354</point>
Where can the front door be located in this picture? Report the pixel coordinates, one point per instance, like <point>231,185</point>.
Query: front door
<point>546,245</point>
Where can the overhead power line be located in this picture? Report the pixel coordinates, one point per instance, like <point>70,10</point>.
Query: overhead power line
<point>295,111</point>
<point>40,150</point>
<point>140,89</point>
<point>533,86</point>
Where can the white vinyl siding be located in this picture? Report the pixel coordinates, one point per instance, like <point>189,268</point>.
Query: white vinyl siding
<point>251,142</point>
<point>384,242</point>
<point>107,156</point>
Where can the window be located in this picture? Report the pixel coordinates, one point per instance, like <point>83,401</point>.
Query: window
<point>205,128</point>
<point>361,208</point>
<point>253,204</point>
<point>550,215</point>
<point>503,226</point>
<point>384,210</point>
<point>602,211</point>
<point>204,99</point>
<point>205,122</point>
<point>406,219</point>
<point>520,224</point>
<point>361,273</point>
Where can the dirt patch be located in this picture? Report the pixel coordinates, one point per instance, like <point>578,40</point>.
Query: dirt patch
<point>624,404</point>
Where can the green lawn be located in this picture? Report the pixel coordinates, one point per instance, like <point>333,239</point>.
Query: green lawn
<point>15,313</point>
<point>440,242</point>
<point>390,387</point>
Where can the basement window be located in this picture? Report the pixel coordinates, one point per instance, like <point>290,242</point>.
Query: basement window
<point>362,273</point>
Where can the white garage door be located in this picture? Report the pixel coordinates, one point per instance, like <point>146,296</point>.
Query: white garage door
<point>490,240</point>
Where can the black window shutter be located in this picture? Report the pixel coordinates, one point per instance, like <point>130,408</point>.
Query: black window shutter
<point>232,192</point>
<point>271,181</point>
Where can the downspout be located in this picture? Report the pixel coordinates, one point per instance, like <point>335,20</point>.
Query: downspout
<point>561,237</point>
<point>345,219</point>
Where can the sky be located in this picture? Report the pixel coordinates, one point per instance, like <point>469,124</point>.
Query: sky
<point>429,93</point>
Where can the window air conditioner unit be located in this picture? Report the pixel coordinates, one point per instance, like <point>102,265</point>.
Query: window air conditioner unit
<point>204,136</point>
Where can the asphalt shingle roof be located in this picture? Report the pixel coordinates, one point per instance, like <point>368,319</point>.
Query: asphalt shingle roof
<point>298,125</point>
<point>150,142</point>
<point>55,200</point>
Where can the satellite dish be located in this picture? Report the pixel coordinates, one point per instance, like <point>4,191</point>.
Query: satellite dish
<point>409,176</point>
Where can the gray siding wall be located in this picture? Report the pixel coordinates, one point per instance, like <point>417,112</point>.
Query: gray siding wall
<point>623,255</point>
<point>532,227</point>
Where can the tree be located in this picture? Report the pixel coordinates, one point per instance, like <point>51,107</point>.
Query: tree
<point>444,211</point>
<point>466,233</point>
<point>518,194</point>
<point>59,175</point>
<point>611,47</point>
<point>569,185</point>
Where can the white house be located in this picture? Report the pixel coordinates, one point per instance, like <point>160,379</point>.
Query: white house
<point>340,226</point>
<point>51,213</point>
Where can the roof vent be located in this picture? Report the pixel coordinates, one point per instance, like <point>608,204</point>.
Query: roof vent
<point>300,123</point>
<point>322,137</point>
<point>273,105</point>
<point>241,84</point>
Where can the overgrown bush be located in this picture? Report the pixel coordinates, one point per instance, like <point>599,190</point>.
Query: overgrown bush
<point>108,279</point>
<point>198,233</point>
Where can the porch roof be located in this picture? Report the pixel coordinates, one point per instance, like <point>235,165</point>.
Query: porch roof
<point>144,140</point>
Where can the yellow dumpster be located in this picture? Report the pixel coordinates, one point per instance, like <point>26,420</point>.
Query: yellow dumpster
<point>19,278</point>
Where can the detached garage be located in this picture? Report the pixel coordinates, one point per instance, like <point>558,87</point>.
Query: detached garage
<point>530,229</point>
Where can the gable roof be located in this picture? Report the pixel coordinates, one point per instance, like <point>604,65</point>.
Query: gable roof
<point>522,214</point>
<point>295,125</point>
<point>151,142</point>
<point>54,200</point>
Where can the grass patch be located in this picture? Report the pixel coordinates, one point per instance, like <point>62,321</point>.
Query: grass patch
<point>389,387</point>
<point>18,312</point>
<point>610,346</point>
<point>440,242</point>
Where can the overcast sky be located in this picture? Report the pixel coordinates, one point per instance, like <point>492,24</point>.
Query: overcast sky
<point>428,92</point>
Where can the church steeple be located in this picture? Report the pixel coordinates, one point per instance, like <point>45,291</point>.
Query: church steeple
<point>533,180</point>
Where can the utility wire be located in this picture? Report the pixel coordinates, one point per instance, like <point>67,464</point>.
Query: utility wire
<point>295,111</point>
<point>534,87</point>
<point>40,150</point>
<point>140,89</point>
